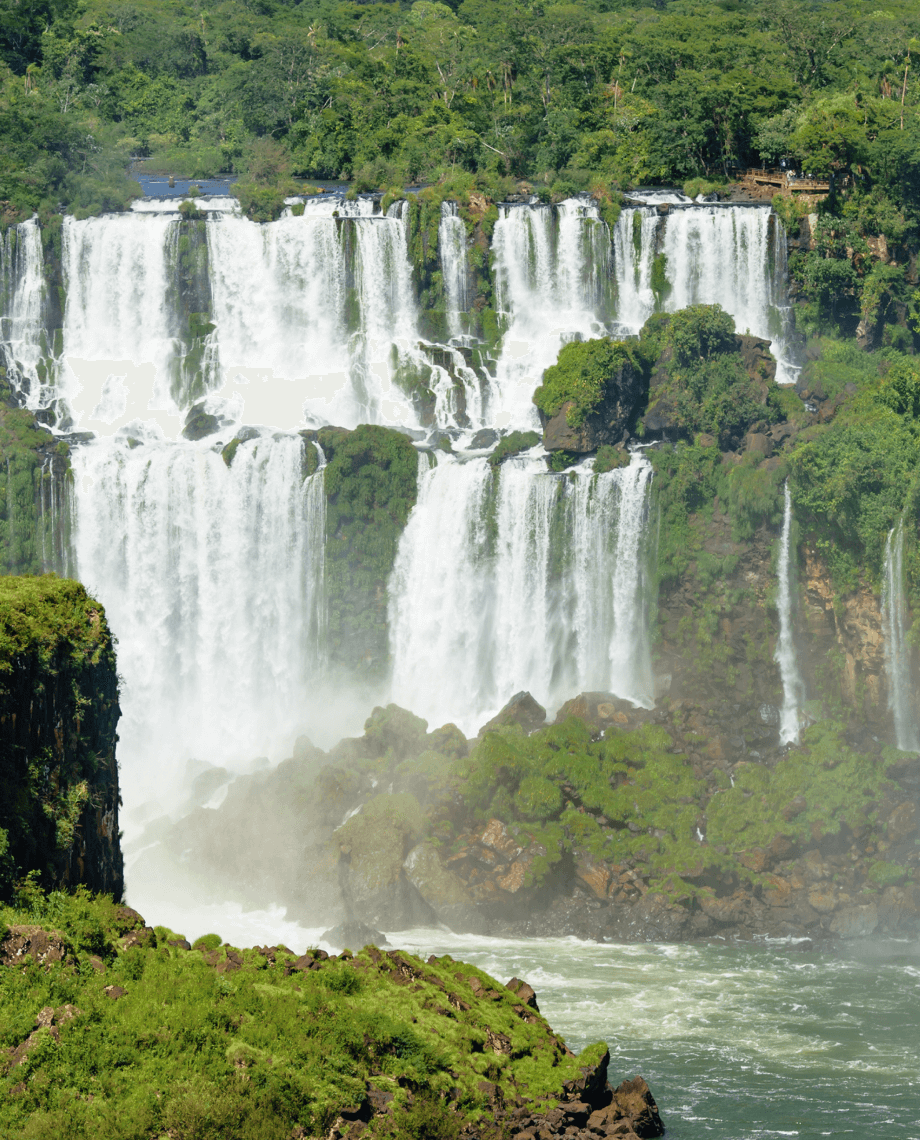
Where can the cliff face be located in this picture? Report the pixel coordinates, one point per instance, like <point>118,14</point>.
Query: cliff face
<point>58,715</point>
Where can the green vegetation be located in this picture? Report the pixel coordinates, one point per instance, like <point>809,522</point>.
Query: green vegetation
<point>59,694</point>
<point>633,798</point>
<point>29,461</point>
<point>853,479</point>
<point>577,97</point>
<point>370,481</point>
<point>703,379</point>
<point>250,1044</point>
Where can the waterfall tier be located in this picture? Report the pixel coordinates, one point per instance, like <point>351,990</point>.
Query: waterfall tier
<point>212,577</point>
<point>315,318</point>
<point>529,581</point>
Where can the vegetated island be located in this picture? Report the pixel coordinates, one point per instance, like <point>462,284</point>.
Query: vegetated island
<point>109,1027</point>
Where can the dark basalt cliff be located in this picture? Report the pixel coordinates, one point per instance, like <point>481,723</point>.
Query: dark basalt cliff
<point>58,715</point>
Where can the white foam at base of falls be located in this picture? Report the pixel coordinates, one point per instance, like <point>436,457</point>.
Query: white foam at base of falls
<point>539,583</point>
<point>211,578</point>
<point>901,697</point>
<point>785,655</point>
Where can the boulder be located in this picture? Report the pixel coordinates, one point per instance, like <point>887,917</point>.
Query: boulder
<point>522,709</point>
<point>199,423</point>
<point>444,891</point>
<point>354,934</point>
<point>636,1102</point>
<point>902,823</point>
<point>855,921</point>
<point>600,710</point>
<point>524,991</point>
<point>41,946</point>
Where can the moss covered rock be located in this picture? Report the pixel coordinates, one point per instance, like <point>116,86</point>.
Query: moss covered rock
<point>589,396</point>
<point>58,713</point>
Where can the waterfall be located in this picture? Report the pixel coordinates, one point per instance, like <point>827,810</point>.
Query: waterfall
<point>734,257</point>
<point>785,656</point>
<point>212,581</point>
<point>452,252</point>
<point>520,580</point>
<point>552,280</point>
<point>22,336</point>
<point>897,650</point>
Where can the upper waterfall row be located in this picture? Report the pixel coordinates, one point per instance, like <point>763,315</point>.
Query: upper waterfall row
<point>323,316</point>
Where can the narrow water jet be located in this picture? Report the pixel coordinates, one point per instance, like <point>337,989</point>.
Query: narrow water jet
<point>785,655</point>
<point>901,700</point>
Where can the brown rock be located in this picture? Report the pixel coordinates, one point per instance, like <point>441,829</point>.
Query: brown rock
<point>114,992</point>
<point>635,1099</point>
<point>823,899</point>
<point>902,823</point>
<point>524,991</point>
<point>41,946</point>
<point>596,877</point>
<point>522,709</point>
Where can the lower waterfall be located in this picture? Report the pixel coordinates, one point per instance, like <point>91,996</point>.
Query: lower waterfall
<point>897,649</point>
<point>785,656</point>
<point>212,581</point>
<point>520,580</point>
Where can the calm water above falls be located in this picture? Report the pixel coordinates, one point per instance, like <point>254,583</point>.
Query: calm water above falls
<point>738,1042</point>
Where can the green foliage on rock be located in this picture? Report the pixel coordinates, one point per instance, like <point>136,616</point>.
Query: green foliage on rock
<point>59,696</point>
<point>513,444</point>
<point>580,377</point>
<point>241,1044</point>
<point>370,482</point>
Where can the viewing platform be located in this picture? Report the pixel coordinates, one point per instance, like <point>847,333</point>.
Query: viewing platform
<point>785,182</point>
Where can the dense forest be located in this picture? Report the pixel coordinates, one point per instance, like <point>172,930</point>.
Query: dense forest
<point>393,93</point>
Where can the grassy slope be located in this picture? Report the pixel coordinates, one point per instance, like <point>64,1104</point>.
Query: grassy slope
<point>212,1042</point>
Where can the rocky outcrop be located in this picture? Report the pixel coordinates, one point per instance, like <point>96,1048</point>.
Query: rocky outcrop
<point>58,714</point>
<point>608,424</point>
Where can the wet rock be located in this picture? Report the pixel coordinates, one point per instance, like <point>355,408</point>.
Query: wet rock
<point>199,423</point>
<point>600,710</point>
<point>855,921</point>
<point>354,934</point>
<point>635,1100</point>
<point>485,437</point>
<point>522,709</point>
<point>443,890</point>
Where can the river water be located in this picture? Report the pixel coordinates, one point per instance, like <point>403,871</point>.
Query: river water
<point>737,1041</point>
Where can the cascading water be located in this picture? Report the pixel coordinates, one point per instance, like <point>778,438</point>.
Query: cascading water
<point>734,257</point>
<point>120,310</point>
<point>22,337</point>
<point>538,583</point>
<point>901,700</point>
<point>552,278</point>
<point>785,655</point>
<point>212,580</point>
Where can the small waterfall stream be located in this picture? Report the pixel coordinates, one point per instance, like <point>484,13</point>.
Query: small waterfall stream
<point>785,655</point>
<point>22,288</point>
<point>901,700</point>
